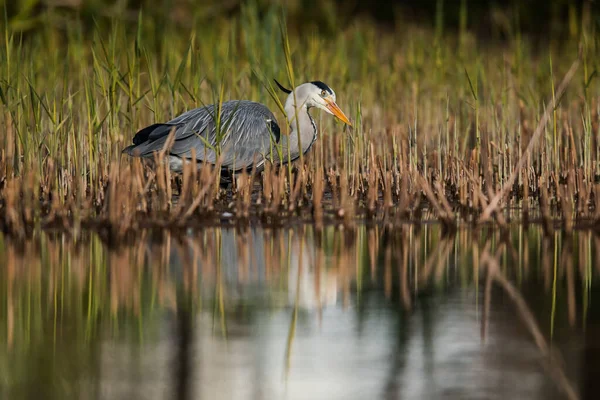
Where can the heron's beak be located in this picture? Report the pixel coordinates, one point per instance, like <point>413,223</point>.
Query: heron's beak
<point>335,110</point>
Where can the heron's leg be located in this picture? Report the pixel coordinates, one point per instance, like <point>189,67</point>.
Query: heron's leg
<point>226,180</point>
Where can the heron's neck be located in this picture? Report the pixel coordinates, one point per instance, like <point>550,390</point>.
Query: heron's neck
<point>302,127</point>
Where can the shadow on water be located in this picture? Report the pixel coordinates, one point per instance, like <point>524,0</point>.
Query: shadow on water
<point>296,313</point>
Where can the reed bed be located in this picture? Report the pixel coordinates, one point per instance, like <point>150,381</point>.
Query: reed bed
<point>446,126</point>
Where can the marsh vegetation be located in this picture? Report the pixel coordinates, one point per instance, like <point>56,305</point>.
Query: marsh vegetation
<point>466,192</point>
<point>442,121</point>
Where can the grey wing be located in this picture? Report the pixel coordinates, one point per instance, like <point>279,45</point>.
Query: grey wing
<point>247,130</point>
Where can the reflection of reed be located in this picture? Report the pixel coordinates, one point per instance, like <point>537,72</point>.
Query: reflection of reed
<point>410,259</point>
<point>327,263</point>
<point>495,274</point>
<point>65,280</point>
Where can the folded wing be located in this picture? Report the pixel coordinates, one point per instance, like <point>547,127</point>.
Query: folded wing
<point>247,131</point>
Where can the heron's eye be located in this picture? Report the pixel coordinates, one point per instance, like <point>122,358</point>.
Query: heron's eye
<point>323,93</point>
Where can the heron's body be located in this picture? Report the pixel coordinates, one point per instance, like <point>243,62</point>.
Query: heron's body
<point>249,132</point>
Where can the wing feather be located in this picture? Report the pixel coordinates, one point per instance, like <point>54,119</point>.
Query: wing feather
<point>247,130</point>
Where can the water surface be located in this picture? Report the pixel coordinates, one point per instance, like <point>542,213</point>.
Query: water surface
<point>296,313</point>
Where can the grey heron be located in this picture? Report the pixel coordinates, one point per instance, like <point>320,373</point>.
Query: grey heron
<point>248,131</point>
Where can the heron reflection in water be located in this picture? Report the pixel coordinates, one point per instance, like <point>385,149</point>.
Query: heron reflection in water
<point>250,260</point>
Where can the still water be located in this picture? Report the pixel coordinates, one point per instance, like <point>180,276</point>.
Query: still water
<point>368,313</point>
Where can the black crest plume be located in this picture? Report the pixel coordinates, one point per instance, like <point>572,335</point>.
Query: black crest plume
<point>288,91</point>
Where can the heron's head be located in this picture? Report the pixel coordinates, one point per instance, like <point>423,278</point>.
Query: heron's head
<point>316,94</point>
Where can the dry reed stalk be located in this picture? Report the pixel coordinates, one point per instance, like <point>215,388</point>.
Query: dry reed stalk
<point>447,218</point>
<point>372,190</point>
<point>246,198</point>
<point>334,189</point>
<point>572,157</point>
<point>11,220</point>
<point>372,195</point>
<point>584,193</point>
<point>240,188</point>
<point>463,189</point>
<point>388,189</point>
<point>211,182</point>
<point>396,177</point>
<point>317,196</point>
<point>160,201</point>
<point>565,206</point>
<point>267,186</point>
<point>126,203</point>
<point>30,200</point>
<point>415,206</point>
<point>495,201</point>
<point>112,206</point>
<point>570,193</point>
<point>346,209</point>
<point>525,200</point>
<point>354,176</point>
<point>163,173</point>
<point>138,186</point>
<point>545,205</point>
<point>405,197</point>
<point>296,185</point>
<point>478,198</point>
<point>185,191</point>
<point>208,179</point>
<point>283,185</point>
<point>274,183</point>
<point>443,199</point>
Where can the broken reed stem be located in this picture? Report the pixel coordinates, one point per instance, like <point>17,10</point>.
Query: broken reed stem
<point>493,205</point>
<point>442,213</point>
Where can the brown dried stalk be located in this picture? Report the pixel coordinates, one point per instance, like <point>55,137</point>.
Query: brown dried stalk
<point>493,205</point>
